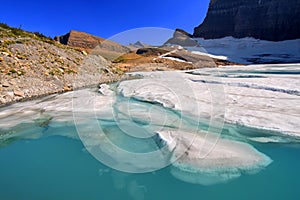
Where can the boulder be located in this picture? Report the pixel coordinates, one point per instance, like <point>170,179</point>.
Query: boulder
<point>19,93</point>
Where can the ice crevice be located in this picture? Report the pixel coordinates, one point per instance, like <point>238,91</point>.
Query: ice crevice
<point>252,86</point>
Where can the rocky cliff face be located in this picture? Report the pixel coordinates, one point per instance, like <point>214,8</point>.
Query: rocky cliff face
<point>90,43</point>
<point>79,39</point>
<point>274,20</point>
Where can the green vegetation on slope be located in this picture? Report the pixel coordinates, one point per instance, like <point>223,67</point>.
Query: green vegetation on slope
<point>11,32</point>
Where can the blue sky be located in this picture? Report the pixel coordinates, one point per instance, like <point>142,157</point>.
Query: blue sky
<point>104,18</point>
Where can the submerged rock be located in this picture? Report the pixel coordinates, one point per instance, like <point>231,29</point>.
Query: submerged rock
<point>43,121</point>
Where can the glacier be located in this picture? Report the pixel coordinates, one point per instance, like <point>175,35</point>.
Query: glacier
<point>249,50</point>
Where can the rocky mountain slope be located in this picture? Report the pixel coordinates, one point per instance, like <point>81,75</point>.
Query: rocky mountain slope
<point>273,20</point>
<point>140,56</point>
<point>33,65</point>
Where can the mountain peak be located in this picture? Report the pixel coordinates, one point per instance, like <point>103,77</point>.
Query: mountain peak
<point>79,39</point>
<point>182,38</point>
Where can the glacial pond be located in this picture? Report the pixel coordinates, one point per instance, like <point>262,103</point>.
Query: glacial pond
<point>75,145</point>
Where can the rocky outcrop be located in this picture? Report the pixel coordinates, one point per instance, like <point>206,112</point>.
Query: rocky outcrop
<point>79,39</point>
<point>90,43</point>
<point>273,20</point>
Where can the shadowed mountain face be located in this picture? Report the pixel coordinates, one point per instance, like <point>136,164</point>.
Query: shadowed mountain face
<point>273,20</point>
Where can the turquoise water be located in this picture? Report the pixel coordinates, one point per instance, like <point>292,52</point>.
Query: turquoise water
<point>58,167</point>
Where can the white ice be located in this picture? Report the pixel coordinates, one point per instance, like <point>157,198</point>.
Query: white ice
<point>203,160</point>
<point>246,50</point>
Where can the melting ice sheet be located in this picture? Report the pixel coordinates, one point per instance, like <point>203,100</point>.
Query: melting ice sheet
<point>265,97</point>
<point>203,121</point>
